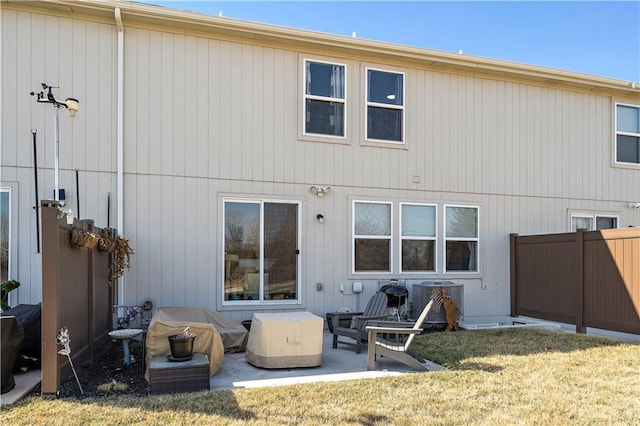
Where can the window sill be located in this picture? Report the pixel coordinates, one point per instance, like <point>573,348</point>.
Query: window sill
<point>634,166</point>
<point>383,144</point>
<point>324,139</point>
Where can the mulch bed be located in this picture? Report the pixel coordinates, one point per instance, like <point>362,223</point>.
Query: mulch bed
<point>107,375</point>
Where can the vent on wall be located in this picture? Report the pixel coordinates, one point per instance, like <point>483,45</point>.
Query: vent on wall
<point>422,294</point>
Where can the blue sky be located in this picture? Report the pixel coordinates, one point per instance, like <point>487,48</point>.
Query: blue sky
<point>599,38</point>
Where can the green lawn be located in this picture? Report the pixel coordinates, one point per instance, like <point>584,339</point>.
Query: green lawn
<point>495,377</point>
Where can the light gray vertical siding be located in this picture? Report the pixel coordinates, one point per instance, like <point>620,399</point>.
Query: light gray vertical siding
<point>207,117</point>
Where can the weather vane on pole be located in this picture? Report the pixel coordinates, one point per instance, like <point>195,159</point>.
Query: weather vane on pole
<point>71,104</point>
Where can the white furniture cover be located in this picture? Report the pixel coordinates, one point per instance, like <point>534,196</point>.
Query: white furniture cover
<point>285,340</point>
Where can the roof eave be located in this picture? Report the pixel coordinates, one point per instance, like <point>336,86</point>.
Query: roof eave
<point>304,39</point>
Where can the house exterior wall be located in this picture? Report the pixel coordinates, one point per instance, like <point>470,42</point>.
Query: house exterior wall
<point>209,116</point>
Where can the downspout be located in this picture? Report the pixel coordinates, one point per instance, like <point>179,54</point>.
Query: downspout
<point>120,142</point>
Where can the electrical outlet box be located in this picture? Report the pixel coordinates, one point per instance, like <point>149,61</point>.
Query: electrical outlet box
<point>341,288</point>
<point>357,287</point>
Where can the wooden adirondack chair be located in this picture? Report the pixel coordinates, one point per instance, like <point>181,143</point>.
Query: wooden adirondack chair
<point>398,349</point>
<point>376,309</point>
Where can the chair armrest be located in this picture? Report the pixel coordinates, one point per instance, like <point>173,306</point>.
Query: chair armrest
<point>345,315</point>
<point>360,320</point>
<point>341,316</point>
<point>390,323</point>
<point>375,317</point>
<point>393,330</point>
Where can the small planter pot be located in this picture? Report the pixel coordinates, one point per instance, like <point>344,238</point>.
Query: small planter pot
<point>181,346</point>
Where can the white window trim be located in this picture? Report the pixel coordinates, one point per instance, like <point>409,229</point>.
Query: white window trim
<point>243,304</point>
<point>434,239</point>
<point>12,189</point>
<point>616,133</point>
<point>376,237</point>
<point>593,216</point>
<point>305,96</point>
<point>367,104</point>
<point>445,239</point>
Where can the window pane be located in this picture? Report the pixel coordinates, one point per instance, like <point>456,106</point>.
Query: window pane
<point>606,223</point>
<point>325,80</point>
<point>372,219</point>
<point>581,223</point>
<point>628,149</point>
<point>418,255</point>
<point>462,222</point>
<point>326,118</point>
<point>384,87</point>
<point>462,255</point>
<point>4,235</point>
<point>628,119</point>
<point>280,244</point>
<point>418,221</point>
<point>242,249</point>
<point>372,255</point>
<point>384,124</point>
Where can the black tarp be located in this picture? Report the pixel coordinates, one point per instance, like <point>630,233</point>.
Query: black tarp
<point>30,317</point>
<point>12,338</point>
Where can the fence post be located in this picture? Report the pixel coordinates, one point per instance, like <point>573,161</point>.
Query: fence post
<point>50,298</point>
<point>512,274</point>
<point>580,328</point>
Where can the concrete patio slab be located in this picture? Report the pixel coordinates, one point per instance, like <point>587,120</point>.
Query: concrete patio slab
<point>338,364</point>
<point>24,383</point>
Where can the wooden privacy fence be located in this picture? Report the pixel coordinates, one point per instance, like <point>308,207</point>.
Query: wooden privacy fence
<point>76,294</point>
<point>590,279</point>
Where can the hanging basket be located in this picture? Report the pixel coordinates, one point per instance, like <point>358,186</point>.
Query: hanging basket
<point>121,259</point>
<point>107,244</point>
<point>84,239</point>
<point>108,241</point>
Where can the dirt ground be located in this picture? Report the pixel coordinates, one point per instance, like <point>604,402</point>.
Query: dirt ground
<point>107,375</point>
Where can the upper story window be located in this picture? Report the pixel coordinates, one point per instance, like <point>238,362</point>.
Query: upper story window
<point>461,238</point>
<point>324,98</point>
<point>385,106</point>
<point>627,134</point>
<point>418,237</point>
<point>372,236</point>
<point>593,222</point>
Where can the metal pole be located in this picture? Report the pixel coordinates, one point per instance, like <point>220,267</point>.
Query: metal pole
<point>56,138</point>
<point>35,177</point>
<point>77,195</point>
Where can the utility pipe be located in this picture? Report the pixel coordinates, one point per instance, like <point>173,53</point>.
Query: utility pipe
<point>120,142</point>
<point>56,156</point>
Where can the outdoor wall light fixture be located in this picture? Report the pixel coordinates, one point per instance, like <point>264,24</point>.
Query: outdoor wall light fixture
<point>320,191</point>
<point>320,218</point>
<point>633,205</point>
<point>71,104</point>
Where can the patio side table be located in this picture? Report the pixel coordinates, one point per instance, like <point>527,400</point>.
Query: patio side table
<point>185,376</point>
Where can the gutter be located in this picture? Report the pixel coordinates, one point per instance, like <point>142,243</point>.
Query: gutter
<point>182,22</point>
<point>120,142</point>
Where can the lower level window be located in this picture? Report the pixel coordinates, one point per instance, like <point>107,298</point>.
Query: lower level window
<point>5,233</point>
<point>372,236</point>
<point>461,238</point>
<point>593,222</point>
<point>261,240</point>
